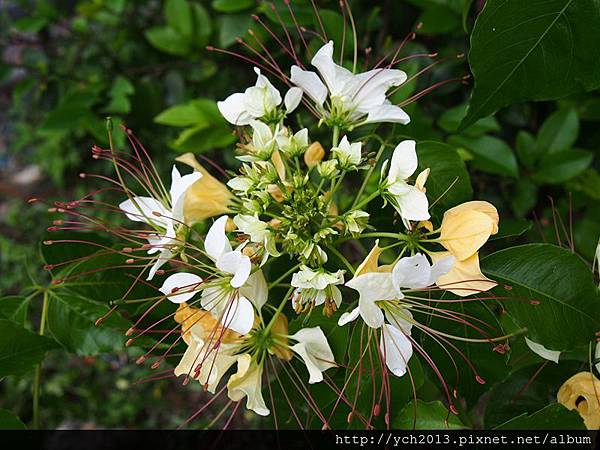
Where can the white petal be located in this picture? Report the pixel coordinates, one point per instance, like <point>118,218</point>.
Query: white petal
<point>348,317</point>
<point>372,87</point>
<point>165,255</point>
<point>256,289</point>
<point>179,185</point>
<point>413,272</point>
<point>539,349</point>
<point>440,268</point>
<point>314,350</point>
<point>310,83</point>
<point>272,95</point>
<point>372,287</point>
<point>396,348</point>
<point>216,242</point>
<point>237,264</point>
<point>233,109</point>
<point>292,99</point>
<point>400,318</point>
<point>186,283</point>
<point>412,203</point>
<point>140,209</point>
<point>404,161</point>
<point>388,113</point>
<point>238,316</point>
<point>338,79</point>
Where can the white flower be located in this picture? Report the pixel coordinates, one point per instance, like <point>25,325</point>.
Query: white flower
<point>348,155</point>
<point>293,144</point>
<point>356,221</point>
<point>257,101</point>
<point>317,286</point>
<point>259,233</point>
<point>264,142</point>
<point>313,348</point>
<point>247,382</point>
<point>352,96</point>
<point>410,201</point>
<point>540,350</point>
<point>240,184</point>
<point>379,291</point>
<point>167,217</point>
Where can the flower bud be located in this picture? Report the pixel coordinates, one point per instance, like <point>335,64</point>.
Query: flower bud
<point>328,169</point>
<point>314,154</point>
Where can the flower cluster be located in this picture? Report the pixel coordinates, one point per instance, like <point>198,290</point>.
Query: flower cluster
<point>284,235</point>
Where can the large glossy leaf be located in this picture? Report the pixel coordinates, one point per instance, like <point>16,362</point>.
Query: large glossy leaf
<point>552,417</point>
<point>559,132</point>
<point>71,319</point>
<point>562,166</point>
<point>533,50</point>
<point>527,390</point>
<point>14,307</point>
<point>8,421</point>
<point>554,296</point>
<point>20,349</point>
<point>448,180</point>
<point>427,416</point>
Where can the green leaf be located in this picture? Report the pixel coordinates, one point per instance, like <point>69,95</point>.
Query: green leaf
<point>466,9</point>
<point>427,416</point>
<point>527,390</point>
<point>552,417</point>
<point>533,50</point>
<point>526,149</point>
<point>568,312</point>
<point>119,94</point>
<point>203,25</point>
<point>14,308</point>
<point>490,154</point>
<point>562,166</point>
<point>448,173</point>
<point>438,19</point>
<point>9,421</point>
<point>558,132</point>
<point>20,349</point>
<point>201,139</point>
<point>450,121</point>
<point>524,197</point>
<point>233,26</point>
<point>231,6</point>
<point>200,113</point>
<point>168,40</point>
<point>178,15</point>
<point>71,318</point>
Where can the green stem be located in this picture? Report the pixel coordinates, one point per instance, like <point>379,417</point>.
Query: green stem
<point>365,201</point>
<point>284,276</point>
<point>368,176</point>
<point>342,258</point>
<point>336,136</point>
<point>279,309</point>
<point>398,236</point>
<point>38,370</point>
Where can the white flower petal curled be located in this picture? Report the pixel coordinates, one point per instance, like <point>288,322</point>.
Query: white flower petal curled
<point>540,350</point>
<point>396,348</point>
<point>292,99</point>
<point>216,242</point>
<point>313,348</point>
<point>247,382</point>
<point>310,83</point>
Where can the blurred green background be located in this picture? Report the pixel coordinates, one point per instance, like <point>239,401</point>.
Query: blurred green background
<point>67,65</point>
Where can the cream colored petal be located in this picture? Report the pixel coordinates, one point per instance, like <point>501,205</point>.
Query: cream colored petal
<point>465,233</point>
<point>465,277</point>
<point>246,382</point>
<point>582,393</point>
<point>477,205</point>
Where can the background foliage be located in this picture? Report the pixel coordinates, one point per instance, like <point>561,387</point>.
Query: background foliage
<point>525,127</point>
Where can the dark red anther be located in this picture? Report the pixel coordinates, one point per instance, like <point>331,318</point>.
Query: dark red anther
<point>349,418</point>
<point>140,360</point>
<point>156,364</point>
<point>453,410</point>
<point>52,228</point>
<point>48,242</point>
<point>82,175</point>
<point>479,379</point>
<point>128,342</point>
<point>376,410</point>
<point>129,332</point>
<point>32,200</point>
<point>534,302</point>
<point>57,281</point>
<point>48,266</point>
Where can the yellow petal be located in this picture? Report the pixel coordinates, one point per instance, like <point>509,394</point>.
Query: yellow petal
<point>314,154</point>
<point>207,197</point>
<point>465,277</point>
<point>279,165</point>
<point>582,393</point>
<point>422,179</point>
<point>246,382</point>
<point>202,324</point>
<point>371,262</point>
<point>465,232</point>
<point>477,205</point>
<point>279,330</point>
